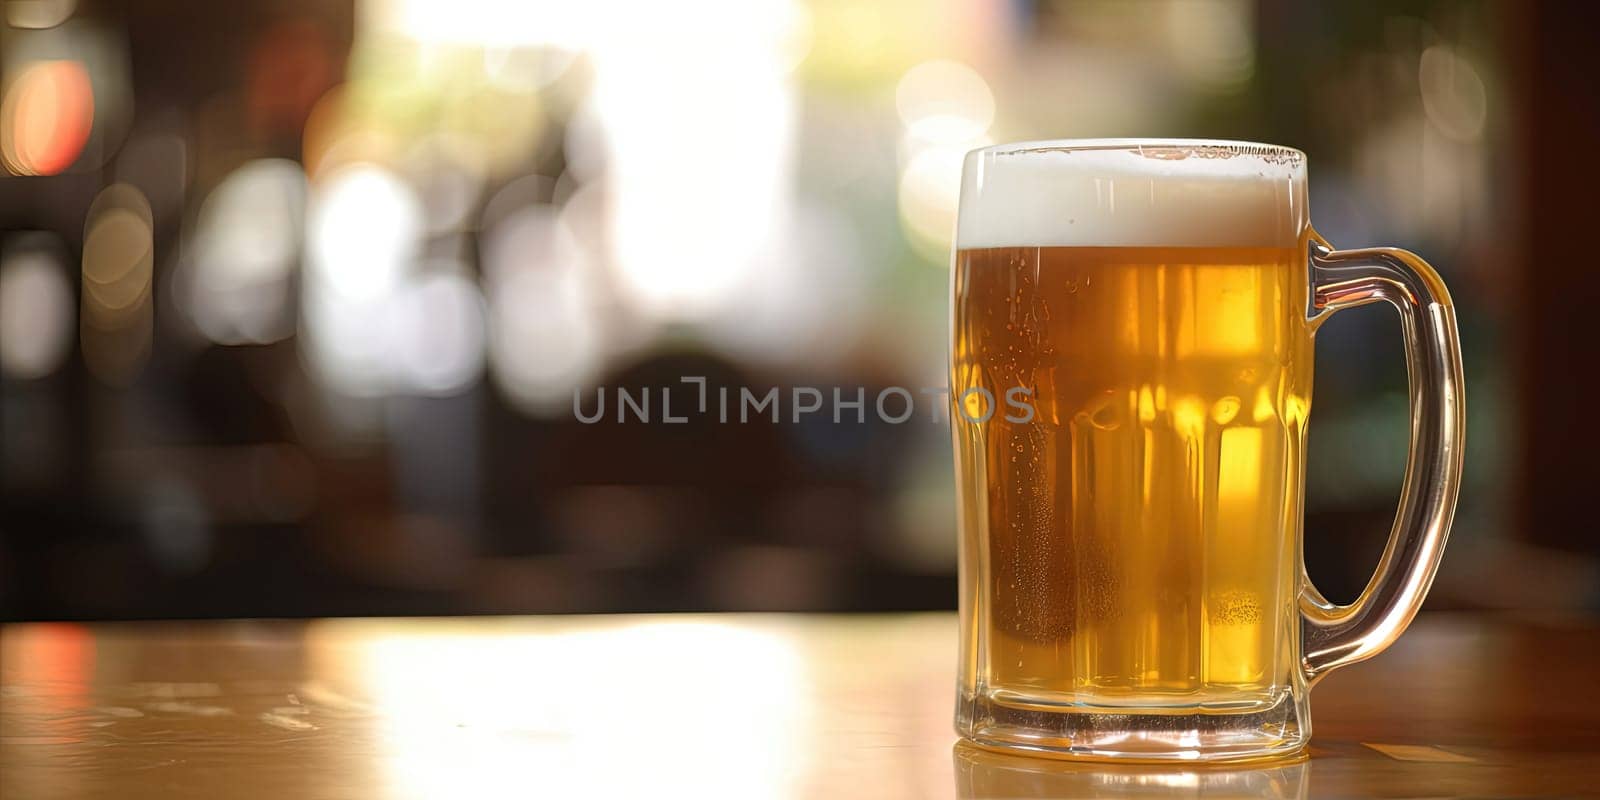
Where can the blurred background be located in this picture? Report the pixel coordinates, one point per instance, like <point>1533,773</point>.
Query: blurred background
<point>295,296</point>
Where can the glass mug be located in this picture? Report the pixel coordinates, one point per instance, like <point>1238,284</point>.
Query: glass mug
<point>1131,364</point>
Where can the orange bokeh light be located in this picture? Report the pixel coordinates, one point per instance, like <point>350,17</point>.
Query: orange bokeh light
<point>46,117</point>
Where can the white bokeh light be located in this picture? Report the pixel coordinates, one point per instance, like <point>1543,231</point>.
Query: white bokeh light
<point>247,242</point>
<point>699,124</point>
<point>35,314</point>
<point>363,231</point>
<point>493,24</point>
<point>944,101</point>
<point>946,109</point>
<point>38,13</point>
<point>544,341</point>
<point>436,334</point>
<point>448,170</point>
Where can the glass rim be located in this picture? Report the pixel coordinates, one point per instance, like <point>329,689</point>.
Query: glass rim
<point>1212,147</point>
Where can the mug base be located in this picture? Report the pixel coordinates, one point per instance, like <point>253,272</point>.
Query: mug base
<point>983,773</point>
<point>1176,734</point>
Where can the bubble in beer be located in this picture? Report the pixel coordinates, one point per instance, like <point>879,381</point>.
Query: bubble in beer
<point>1234,607</point>
<point>1225,410</point>
<point>1104,412</point>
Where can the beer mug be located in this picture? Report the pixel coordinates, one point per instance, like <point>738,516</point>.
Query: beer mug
<point>1130,371</point>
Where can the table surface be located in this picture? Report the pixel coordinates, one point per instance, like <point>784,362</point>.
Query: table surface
<point>746,706</point>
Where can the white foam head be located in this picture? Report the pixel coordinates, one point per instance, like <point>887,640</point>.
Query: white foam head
<point>1133,193</point>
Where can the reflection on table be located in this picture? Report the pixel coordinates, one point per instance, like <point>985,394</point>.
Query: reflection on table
<point>749,706</point>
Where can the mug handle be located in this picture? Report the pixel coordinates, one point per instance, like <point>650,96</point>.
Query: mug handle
<point>1334,635</point>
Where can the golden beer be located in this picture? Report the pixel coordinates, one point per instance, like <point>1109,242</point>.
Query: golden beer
<point>1136,535</point>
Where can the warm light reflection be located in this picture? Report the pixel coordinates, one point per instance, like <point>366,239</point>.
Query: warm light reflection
<point>325,132</point>
<point>47,689</point>
<point>45,117</point>
<point>616,707</point>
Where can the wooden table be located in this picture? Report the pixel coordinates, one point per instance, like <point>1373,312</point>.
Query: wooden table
<point>713,706</point>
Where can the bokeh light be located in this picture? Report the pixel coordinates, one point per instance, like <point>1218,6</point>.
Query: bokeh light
<point>35,313</point>
<point>363,230</point>
<point>525,69</point>
<point>118,271</point>
<point>46,117</point>
<point>929,189</point>
<point>118,254</point>
<point>246,245</point>
<point>376,320</point>
<point>696,181</point>
<point>544,341</point>
<point>810,306</point>
<point>487,23</point>
<point>946,109</point>
<point>436,333</point>
<point>448,170</point>
<point>944,101</point>
<point>1453,94</point>
<point>38,13</point>
<point>362,234</point>
<point>1213,42</point>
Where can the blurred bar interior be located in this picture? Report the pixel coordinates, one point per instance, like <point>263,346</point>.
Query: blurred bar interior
<point>295,296</point>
